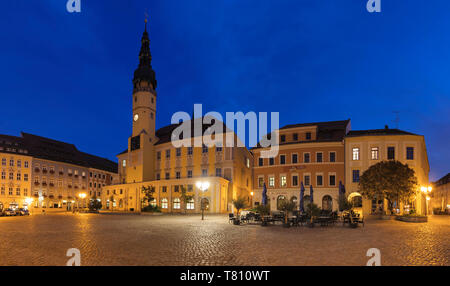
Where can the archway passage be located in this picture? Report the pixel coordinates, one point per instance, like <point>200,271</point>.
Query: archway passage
<point>327,203</point>
<point>280,201</point>
<point>356,199</point>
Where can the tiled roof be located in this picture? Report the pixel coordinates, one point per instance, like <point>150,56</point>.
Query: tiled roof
<point>53,150</point>
<point>378,132</point>
<point>328,131</point>
<point>443,181</point>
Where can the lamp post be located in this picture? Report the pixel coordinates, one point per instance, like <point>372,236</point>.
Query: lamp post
<point>425,191</point>
<point>82,196</point>
<point>29,201</point>
<point>251,199</point>
<point>202,186</point>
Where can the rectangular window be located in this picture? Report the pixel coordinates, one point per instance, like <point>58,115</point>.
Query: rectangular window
<point>11,163</point>
<point>306,158</point>
<point>355,153</point>
<point>218,172</point>
<point>167,176</point>
<point>18,176</point>
<point>176,188</point>
<point>25,164</point>
<point>25,192</point>
<point>261,182</point>
<point>158,156</point>
<point>164,189</point>
<point>19,163</point>
<point>282,159</point>
<point>17,191</point>
<point>218,149</point>
<point>391,153</point>
<point>10,191</point>
<point>11,176</point>
<point>283,181</point>
<point>158,176</point>
<point>308,135</point>
<point>25,177</point>
<point>271,161</point>
<point>283,138</point>
<point>205,172</point>
<point>271,181</point>
<point>190,150</point>
<point>3,162</point>
<point>332,156</point>
<point>332,180</point>
<point>167,153</point>
<point>294,180</point>
<point>189,173</point>
<point>294,158</point>
<point>2,191</point>
<point>307,180</point>
<point>295,136</point>
<point>319,157</point>
<point>178,175</point>
<point>3,175</point>
<point>409,153</point>
<point>261,162</point>
<point>374,153</point>
<point>178,152</point>
<point>355,176</point>
<point>319,180</point>
<point>204,149</point>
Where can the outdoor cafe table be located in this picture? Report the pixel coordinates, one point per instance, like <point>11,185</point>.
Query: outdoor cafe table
<point>323,220</point>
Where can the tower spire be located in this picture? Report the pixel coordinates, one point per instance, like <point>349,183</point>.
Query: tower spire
<point>145,72</point>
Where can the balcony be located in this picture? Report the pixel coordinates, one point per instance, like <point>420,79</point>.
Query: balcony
<point>44,171</point>
<point>61,173</point>
<point>36,170</point>
<point>37,183</point>
<point>69,174</point>
<point>52,172</point>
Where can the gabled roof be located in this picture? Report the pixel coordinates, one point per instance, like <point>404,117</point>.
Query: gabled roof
<point>53,150</point>
<point>327,131</point>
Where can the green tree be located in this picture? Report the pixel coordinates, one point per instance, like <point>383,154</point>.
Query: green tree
<point>94,204</point>
<point>185,198</point>
<point>287,206</point>
<point>239,204</point>
<point>263,210</point>
<point>147,195</point>
<point>388,179</point>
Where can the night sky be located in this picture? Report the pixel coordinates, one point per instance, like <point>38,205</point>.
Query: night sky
<point>68,76</point>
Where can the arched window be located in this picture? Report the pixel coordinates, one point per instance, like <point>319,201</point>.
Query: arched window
<point>153,203</point>
<point>327,203</point>
<point>280,200</point>
<point>164,203</point>
<point>357,201</point>
<point>176,203</point>
<point>190,204</point>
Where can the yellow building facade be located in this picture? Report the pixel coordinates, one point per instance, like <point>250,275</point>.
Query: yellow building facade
<point>368,147</point>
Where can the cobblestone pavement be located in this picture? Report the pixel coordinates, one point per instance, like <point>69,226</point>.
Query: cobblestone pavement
<point>186,240</point>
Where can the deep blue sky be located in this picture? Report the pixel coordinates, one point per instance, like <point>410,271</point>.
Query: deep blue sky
<point>68,76</point>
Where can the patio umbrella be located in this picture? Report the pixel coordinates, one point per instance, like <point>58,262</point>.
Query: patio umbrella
<point>302,193</point>
<point>311,200</point>
<point>264,195</point>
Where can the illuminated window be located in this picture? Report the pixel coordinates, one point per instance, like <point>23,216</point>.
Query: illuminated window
<point>164,203</point>
<point>190,204</point>
<point>283,181</point>
<point>261,182</point>
<point>176,204</point>
<point>355,153</point>
<point>271,181</point>
<point>124,163</point>
<point>374,153</point>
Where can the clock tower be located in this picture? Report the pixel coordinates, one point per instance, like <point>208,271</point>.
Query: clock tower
<point>139,164</point>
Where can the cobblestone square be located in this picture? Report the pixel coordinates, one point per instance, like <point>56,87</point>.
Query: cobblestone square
<point>186,240</point>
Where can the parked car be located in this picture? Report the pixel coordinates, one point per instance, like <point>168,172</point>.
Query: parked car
<point>9,212</point>
<point>23,211</point>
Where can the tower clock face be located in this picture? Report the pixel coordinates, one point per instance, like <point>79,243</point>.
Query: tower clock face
<point>136,117</point>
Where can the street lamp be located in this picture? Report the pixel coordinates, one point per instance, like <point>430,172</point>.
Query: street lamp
<point>29,201</point>
<point>426,190</point>
<point>82,196</point>
<point>251,195</point>
<point>202,186</point>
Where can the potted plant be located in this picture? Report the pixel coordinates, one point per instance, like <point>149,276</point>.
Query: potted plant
<point>287,207</point>
<point>313,211</point>
<point>239,204</point>
<point>263,210</point>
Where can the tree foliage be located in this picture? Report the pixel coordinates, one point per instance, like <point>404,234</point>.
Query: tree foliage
<point>185,197</point>
<point>94,204</point>
<point>389,179</point>
<point>239,204</point>
<point>147,194</point>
